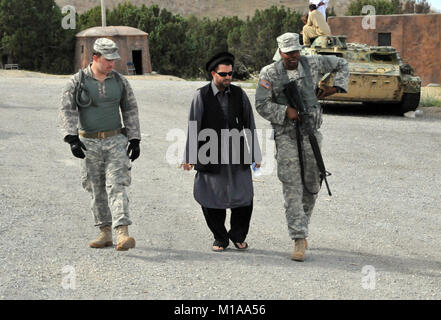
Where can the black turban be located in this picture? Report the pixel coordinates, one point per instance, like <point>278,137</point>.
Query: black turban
<point>220,58</point>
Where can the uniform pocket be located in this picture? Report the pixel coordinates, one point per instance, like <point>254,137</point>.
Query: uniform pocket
<point>118,163</point>
<point>126,177</point>
<point>85,179</point>
<point>118,173</point>
<point>287,158</point>
<point>286,170</point>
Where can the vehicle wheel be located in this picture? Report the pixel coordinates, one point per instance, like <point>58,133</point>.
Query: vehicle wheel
<point>409,102</point>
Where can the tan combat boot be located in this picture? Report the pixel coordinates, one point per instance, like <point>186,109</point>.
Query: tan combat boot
<point>104,239</point>
<point>299,250</point>
<point>124,242</point>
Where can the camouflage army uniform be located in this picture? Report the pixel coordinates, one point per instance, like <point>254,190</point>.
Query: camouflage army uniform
<point>271,104</point>
<point>106,169</point>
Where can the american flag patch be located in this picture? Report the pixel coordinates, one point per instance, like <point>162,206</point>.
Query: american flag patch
<point>264,83</point>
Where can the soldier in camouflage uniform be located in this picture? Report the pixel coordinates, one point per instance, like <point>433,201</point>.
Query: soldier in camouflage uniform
<point>91,123</point>
<point>272,104</point>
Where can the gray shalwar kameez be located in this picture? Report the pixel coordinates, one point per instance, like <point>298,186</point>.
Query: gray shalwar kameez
<point>232,187</point>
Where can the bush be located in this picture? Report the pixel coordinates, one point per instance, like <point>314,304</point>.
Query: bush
<point>31,35</point>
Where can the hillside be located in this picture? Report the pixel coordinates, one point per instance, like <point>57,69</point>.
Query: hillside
<point>209,8</point>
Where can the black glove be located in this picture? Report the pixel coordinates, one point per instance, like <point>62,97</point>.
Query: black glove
<point>133,150</point>
<point>76,146</point>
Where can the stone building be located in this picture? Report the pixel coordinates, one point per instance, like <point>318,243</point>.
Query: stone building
<point>416,37</point>
<point>132,43</point>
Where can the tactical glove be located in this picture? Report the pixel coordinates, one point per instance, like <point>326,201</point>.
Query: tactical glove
<point>133,150</point>
<point>76,146</point>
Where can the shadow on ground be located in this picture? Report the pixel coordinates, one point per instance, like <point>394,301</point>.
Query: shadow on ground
<point>327,258</point>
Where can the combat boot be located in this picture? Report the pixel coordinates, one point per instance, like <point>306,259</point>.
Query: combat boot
<point>299,250</point>
<point>104,239</point>
<point>124,242</point>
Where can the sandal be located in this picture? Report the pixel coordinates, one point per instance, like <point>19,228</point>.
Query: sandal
<point>222,246</point>
<point>239,248</point>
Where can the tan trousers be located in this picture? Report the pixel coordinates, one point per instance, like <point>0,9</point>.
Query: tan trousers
<point>311,32</point>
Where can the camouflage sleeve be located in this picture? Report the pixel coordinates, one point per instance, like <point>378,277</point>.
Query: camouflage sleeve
<point>338,66</point>
<point>129,111</point>
<point>265,106</point>
<point>68,113</point>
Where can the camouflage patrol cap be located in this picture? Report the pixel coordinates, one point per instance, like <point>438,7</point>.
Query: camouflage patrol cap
<point>289,42</point>
<point>107,48</point>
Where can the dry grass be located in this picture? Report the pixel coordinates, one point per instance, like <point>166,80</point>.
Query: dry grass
<point>430,97</point>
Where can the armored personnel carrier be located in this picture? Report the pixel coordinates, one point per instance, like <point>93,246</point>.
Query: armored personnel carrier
<point>377,74</point>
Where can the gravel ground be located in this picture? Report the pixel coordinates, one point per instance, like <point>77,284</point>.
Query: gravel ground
<point>377,237</point>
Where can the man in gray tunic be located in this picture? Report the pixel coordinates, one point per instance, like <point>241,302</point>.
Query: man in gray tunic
<point>221,146</point>
<point>91,123</point>
<point>272,104</point>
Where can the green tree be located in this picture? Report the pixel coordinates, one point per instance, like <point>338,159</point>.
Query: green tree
<point>170,49</point>
<point>413,6</point>
<point>258,35</point>
<point>178,46</point>
<point>382,7</point>
<point>397,6</point>
<point>385,7</point>
<point>32,36</point>
<point>125,14</point>
<point>148,18</point>
<point>90,18</point>
<point>330,12</point>
<point>208,37</point>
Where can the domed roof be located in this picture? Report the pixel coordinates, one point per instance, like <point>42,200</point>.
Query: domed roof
<point>111,31</point>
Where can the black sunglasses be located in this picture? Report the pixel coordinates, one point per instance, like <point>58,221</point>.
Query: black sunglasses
<point>224,74</point>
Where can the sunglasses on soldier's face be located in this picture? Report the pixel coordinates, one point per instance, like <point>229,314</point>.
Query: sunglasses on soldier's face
<point>224,74</point>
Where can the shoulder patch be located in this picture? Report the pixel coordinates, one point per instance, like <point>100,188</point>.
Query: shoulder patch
<point>265,84</point>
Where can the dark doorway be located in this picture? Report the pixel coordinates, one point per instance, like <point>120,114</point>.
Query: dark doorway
<point>384,39</point>
<point>137,60</point>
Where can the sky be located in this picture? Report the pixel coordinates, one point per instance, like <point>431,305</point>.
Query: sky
<point>435,4</point>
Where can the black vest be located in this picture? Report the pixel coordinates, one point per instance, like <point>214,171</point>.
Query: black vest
<point>214,118</point>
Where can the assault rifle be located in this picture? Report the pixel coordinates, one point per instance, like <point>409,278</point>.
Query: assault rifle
<point>308,123</point>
